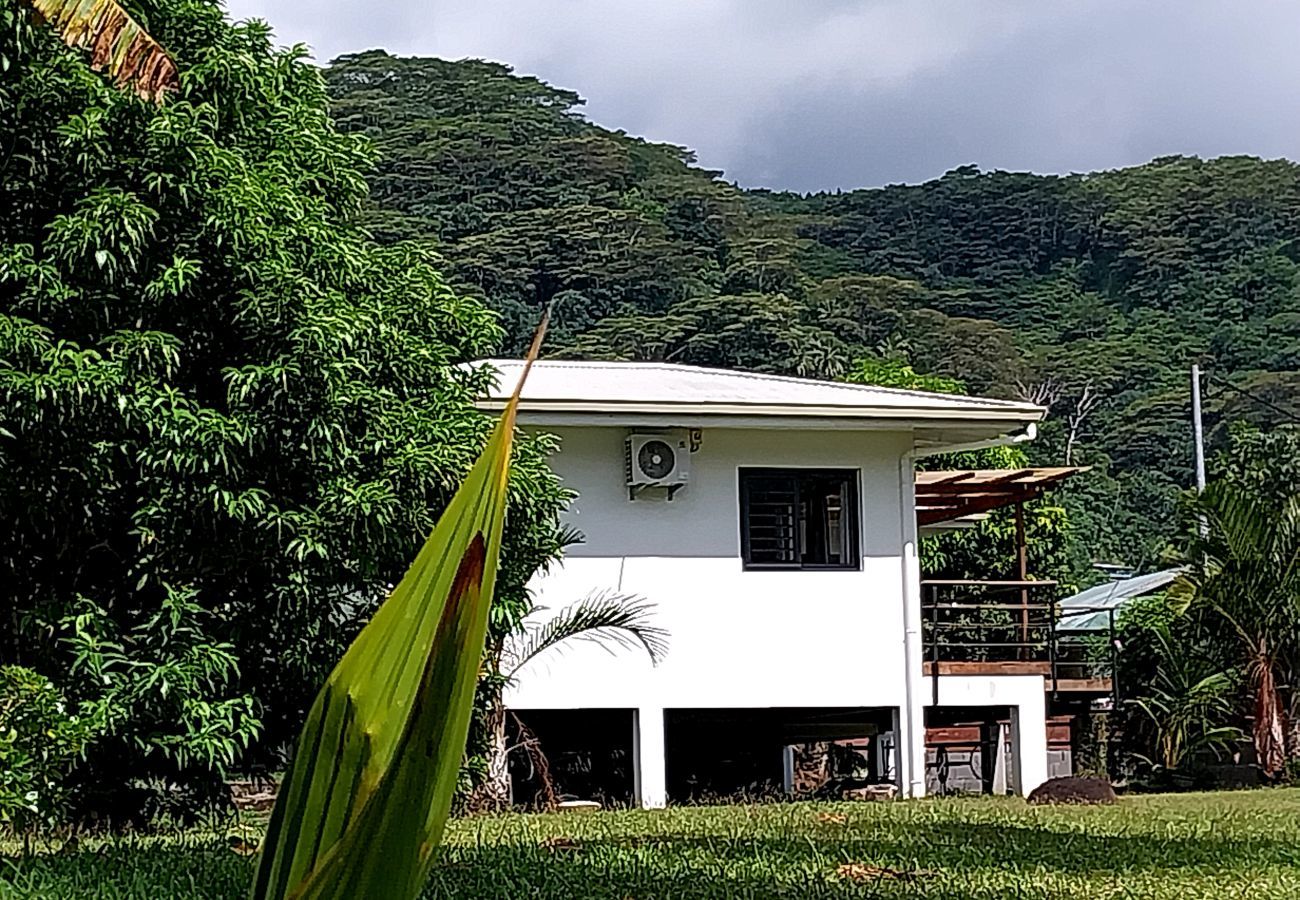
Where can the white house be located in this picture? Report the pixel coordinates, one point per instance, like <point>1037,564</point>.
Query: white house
<point>772,521</point>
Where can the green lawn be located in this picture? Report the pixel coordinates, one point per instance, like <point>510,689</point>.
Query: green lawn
<point>1243,845</point>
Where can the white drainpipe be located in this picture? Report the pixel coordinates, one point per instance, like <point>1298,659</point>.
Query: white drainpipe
<point>911,743</point>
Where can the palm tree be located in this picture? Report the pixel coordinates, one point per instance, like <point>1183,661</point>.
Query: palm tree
<point>1244,573</point>
<point>611,620</point>
<point>118,45</point>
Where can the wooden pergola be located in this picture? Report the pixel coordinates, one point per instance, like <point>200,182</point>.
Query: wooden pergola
<point>961,498</point>
<point>955,496</point>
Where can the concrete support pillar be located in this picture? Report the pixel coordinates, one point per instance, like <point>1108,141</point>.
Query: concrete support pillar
<point>648,758</point>
<point>787,769</point>
<point>1029,744</point>
<point>1000,780</point>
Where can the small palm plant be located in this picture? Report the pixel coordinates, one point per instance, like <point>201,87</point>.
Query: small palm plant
<point>607,618</point>
<point>1187,706</point>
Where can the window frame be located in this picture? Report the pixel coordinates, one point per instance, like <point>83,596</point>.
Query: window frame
<point>853,516</point>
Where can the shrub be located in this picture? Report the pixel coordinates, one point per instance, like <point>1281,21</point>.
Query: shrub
<point>40,740</point>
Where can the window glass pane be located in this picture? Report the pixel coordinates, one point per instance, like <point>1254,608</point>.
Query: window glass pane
<point>835,526</point>
<point>799,518</point>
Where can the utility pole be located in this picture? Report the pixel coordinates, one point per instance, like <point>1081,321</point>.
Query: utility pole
<point>1198,429</point>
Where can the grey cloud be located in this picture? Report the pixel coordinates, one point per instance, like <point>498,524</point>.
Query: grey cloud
<point>823,94</point>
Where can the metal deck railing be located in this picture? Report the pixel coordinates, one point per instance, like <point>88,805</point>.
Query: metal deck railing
<point>991,625</point>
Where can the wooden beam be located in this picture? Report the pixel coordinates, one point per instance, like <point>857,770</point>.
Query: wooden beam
<point>949,478</point>
<point>1015,667</point>
<point>956,511</point>
<point>1084,685</point>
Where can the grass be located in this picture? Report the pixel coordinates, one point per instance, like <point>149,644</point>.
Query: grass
<point>1179,846</point>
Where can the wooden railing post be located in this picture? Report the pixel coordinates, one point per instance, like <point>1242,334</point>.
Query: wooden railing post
<point>934,643</point>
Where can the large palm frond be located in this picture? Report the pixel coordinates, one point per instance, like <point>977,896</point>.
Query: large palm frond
<point>368,791</point>
<point>118,45</point>
<point>607,618</point>
<point>1245,562</point>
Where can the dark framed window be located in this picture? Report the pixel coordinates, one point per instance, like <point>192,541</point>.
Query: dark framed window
<point>799,518</point>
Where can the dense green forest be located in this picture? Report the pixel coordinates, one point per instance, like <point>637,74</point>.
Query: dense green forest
<point>1091,294</point>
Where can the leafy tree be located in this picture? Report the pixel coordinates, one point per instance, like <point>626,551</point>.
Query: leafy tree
<point>1265,462</point>
<point>227,419</point>
<point>894,372</point>
<point>762,332</point>
<point>41,737</point>
<point>588,260</point>
<point>527,201</point>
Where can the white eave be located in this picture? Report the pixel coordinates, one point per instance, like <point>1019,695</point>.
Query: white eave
<point>563,392</point>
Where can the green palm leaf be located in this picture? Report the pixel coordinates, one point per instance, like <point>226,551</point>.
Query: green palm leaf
<point>117,43</point>
<point>363,804</point>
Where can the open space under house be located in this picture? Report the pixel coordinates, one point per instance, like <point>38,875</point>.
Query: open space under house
<point>773,523</point>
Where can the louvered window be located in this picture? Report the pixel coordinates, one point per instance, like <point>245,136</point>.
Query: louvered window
<point>799,518</point>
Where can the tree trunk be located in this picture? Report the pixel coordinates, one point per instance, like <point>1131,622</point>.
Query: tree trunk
<point>1270,725</point>
<point>494,792</point>
<point>1293,728</point>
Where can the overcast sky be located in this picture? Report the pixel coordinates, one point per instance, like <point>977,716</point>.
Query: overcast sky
<point>823,94</point>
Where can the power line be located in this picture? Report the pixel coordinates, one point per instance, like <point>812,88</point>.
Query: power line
<point>1285,413</point>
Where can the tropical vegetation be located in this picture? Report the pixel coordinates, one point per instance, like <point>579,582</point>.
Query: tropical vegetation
<point>614,621</point>
<point>1244,573</point>
<point>236,300</point>
<point>1092,294</point>
<point>371,780</point>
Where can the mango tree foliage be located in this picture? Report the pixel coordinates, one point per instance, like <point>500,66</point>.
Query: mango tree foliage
<point>220,403</point>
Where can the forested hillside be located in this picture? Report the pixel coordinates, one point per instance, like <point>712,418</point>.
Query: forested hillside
<point>1091,294</point>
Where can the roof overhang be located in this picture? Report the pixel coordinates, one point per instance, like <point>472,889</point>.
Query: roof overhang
<point>633,395</point>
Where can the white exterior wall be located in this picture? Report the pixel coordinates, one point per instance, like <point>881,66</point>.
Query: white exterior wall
<point>758,639</point>
<point>1026,695</point>
<point>737,639</point>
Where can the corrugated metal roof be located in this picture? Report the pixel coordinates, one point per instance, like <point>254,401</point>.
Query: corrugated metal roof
<point>1094,602</point>
<point>595,387</point>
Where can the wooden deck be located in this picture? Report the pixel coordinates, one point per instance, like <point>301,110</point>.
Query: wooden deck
<point>1030,667</point>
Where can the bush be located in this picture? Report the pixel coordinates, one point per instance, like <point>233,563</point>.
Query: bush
<point>40,741</point>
